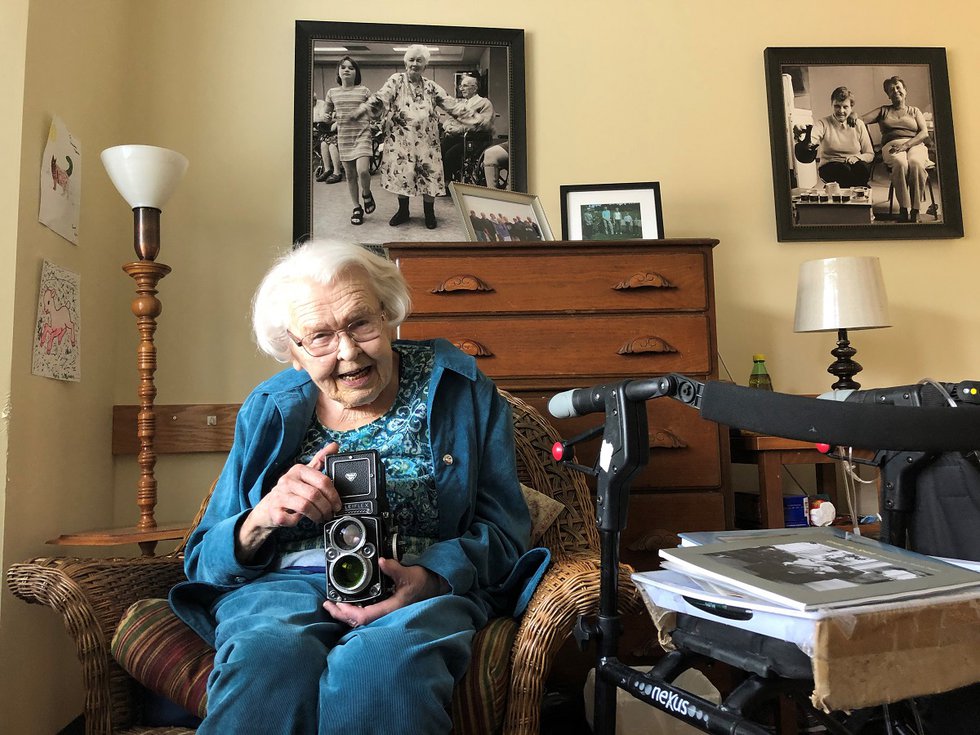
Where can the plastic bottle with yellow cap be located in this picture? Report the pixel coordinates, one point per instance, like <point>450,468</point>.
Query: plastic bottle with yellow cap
<point>760,375</point>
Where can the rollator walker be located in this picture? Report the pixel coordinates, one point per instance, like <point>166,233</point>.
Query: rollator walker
<point>921,432</point>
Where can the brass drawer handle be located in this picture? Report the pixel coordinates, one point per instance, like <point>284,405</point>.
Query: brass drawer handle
<point>666,439</point>
<point>473,348</point>
<point>644,280</point>
<point>462,282</point>
<point>658,538</point>
<point>640,345</point>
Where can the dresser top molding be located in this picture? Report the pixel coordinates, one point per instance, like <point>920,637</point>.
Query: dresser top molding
<point>565,245</point>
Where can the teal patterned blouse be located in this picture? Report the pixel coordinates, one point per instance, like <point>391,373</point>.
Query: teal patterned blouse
<point>401,437</point>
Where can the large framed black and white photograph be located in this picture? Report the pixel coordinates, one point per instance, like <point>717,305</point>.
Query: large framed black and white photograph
<point>386,116</point>
<point>862,144</point>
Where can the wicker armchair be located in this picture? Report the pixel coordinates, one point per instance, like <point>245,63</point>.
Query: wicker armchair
<point>93,594</point>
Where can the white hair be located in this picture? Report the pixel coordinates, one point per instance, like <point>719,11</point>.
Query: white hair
<point>321,261</point>
<point>424,50</point>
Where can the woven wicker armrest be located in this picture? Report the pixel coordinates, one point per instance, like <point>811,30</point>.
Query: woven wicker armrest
<point>91,595</point>
<point>569,588</point>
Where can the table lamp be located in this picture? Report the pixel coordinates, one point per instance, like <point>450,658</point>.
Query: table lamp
<point>145,176</point>
<point>838,294</point>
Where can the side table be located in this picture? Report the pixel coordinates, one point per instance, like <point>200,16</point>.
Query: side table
<point>146,538</point>
<point>770,454</point>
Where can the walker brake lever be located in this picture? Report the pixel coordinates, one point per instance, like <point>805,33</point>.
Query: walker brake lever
<point>560,450</point>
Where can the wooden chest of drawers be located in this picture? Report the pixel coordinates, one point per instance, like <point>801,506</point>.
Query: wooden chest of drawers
<point>543,317</point>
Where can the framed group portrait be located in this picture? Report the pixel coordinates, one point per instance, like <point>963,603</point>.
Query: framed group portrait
<point>494,215</point>
<point>332,180</point>
<point>612,211</point>
<point>862,144</point>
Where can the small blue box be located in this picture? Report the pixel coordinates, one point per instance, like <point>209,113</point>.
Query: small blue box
<point>796,511</point>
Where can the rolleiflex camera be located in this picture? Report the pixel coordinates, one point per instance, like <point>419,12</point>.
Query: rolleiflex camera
<point>361,533</point>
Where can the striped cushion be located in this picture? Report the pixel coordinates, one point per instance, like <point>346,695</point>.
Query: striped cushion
<point>480,699</point>
<point>155,647</point>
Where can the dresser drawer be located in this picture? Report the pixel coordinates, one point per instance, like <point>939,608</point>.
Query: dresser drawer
<point>655,519</point>
<point>685,450</point>
<point>551,282</point>
<point>589,348</point>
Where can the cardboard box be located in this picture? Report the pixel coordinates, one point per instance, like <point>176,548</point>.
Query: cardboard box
<point>885,656</point>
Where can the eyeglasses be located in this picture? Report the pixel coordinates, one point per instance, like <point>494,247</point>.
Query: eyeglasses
<point>321,344</point>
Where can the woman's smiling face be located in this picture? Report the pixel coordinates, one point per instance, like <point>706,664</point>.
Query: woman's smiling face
<point>358,373</point>
<point>896,93</point>
<point>415,62</point>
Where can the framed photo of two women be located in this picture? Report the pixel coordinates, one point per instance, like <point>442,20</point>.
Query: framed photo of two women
<point>862,144</point>
<point>386,116</point>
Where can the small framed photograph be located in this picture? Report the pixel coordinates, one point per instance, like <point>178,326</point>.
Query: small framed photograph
<point>496,215</point>
<point>612,212</point>
<point>862,144</point>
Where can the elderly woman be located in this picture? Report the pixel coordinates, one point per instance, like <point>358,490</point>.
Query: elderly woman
<point>412,164</point>
<point>287,657</point>
<point>842,143</point>
<point>903,134</point>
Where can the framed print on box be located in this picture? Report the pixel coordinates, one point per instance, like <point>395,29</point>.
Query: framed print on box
<point>494,215</point>
<point>326,132</point>
<point>612,212</point>
<point>862,144</point>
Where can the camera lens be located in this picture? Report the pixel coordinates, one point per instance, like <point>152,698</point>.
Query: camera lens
<point>349,573</point>
<point>348,534</point>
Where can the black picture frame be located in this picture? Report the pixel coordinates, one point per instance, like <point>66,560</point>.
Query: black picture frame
<point>638,201</point>
<point>809,76</point>
<point>499,53</point>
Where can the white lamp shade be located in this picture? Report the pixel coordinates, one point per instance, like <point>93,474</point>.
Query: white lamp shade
<point>841,293</point>
<point>145,175</point>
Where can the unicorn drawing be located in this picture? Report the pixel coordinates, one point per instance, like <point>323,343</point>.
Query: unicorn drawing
<point>57,322</point>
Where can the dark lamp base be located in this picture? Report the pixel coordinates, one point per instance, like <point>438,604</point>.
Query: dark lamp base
<point>844,368</point>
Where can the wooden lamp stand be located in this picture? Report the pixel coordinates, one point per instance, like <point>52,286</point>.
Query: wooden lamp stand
<point>145,176</point>
<point>146,308</point>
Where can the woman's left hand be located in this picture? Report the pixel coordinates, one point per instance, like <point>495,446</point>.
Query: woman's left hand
<point>357,114</point>
<point>412,584</point>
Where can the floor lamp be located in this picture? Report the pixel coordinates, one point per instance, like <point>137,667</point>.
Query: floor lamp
<point>838,294</point>
<point>145,176</point>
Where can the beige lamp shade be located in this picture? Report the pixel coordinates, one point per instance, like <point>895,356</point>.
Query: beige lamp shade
<point>841,293</point>
<point>145,175</point>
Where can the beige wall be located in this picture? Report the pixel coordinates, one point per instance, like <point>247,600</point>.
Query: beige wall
<point>58,470</point>
<point>13,41</point>
<point>657,90</point>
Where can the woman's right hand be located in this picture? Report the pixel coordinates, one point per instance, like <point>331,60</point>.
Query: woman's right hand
<point>304,490</point>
